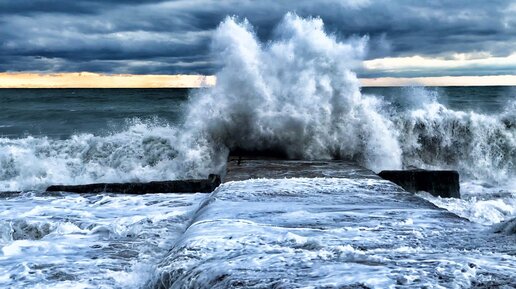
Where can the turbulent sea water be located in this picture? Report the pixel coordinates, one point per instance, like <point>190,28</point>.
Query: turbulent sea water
<point>296,95</point>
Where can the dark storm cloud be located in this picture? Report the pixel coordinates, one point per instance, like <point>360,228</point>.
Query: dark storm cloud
<point>63,6</point>
<point>154,36</point>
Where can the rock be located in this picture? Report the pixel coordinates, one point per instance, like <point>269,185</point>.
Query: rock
<point>179,186</point>
<point>444,184</point>
<point>508,227</point>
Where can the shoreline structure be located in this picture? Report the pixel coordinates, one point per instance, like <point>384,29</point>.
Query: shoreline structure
<point>444,184</point>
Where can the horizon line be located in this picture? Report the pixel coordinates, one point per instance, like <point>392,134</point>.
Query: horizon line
<point>100,80</point>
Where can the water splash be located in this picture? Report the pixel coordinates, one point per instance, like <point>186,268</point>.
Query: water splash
<point>296,94</point>
<point>480,146</point>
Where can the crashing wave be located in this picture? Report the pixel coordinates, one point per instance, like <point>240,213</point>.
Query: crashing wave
<point>296,95</point>
<point>479,145</point>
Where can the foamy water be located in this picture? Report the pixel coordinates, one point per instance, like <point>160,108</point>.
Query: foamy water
<point>93,241</point>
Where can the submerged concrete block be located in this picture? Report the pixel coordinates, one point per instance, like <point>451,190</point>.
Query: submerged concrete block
<point>10,194</point>
<point>179,186</point>
<point>444,184</point>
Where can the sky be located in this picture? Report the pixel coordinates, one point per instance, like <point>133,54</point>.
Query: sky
<point>407,39</point>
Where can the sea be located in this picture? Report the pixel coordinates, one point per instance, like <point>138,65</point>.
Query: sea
<point>296,95</point>
<point>77,136</point>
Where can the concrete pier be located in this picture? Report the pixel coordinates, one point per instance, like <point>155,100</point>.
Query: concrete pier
<point>322,224</point>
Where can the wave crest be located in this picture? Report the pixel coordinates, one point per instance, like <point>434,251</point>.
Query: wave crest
<point>295,94</point>
<point>478,145</point>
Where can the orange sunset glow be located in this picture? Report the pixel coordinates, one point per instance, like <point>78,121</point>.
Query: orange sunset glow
<point>95,80</point>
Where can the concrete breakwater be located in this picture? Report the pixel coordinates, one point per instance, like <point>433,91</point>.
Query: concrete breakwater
<point>439,183</point>
<point>178,186</point>
<point>270,224</point>
<point>443,183</point>
<point>327,224</point>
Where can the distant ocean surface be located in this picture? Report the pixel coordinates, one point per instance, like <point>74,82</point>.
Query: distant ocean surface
<point>78,136</point>
<point>60,113</point>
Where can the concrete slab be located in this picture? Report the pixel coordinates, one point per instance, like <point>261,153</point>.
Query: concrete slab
<point>239,169</point>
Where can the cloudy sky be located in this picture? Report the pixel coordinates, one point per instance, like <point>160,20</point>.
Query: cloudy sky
<point>406,38</point>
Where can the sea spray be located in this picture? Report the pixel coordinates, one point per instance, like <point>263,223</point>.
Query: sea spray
<point>480,146</point>
<point>295,94</point>
<point>141,152</point>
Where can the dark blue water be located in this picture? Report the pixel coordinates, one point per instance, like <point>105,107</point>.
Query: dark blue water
<point>59,113</point>
<point>481,99</point>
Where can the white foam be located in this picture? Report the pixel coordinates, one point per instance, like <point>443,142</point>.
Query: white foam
<point>50,242</point>
<point>479,146</point>
<point>296,94</point>
<point>485,205</point>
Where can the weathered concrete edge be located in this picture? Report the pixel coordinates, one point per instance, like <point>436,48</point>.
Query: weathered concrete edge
<point>157,187</point>
<point>441,183</point>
